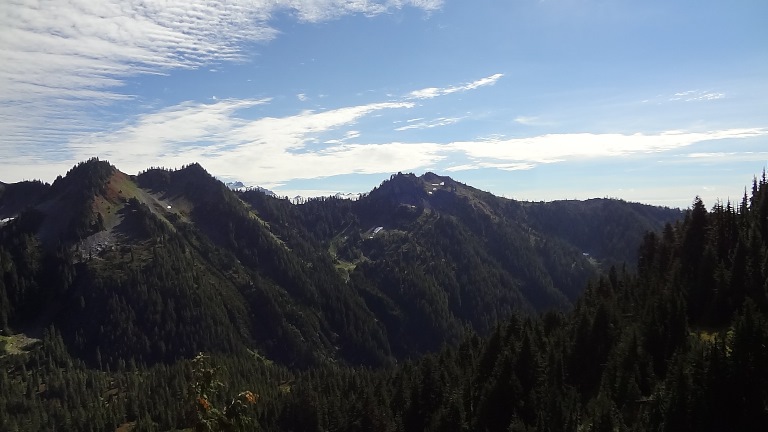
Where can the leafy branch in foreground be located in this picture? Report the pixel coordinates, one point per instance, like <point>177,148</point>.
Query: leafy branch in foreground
<point>207,417</point>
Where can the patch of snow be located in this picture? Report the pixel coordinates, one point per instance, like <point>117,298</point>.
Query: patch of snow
<point>235,185</point>
<point>239,186</point>
<point>169,207</point>
<point>6,220</point>
<point>265,191</point>
<point>298,199</point>
<point>349,196</point>
<point>376,231</point>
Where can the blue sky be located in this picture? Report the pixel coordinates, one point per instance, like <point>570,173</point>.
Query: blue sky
<point>652,101</point>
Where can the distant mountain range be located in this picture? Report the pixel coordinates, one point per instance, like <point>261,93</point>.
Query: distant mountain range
<point>298,199</point>
<point>236,185</point>
<point>164,264</point>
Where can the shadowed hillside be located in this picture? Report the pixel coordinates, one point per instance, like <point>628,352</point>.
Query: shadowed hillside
<point>676,342</point>
<point>159,266</point>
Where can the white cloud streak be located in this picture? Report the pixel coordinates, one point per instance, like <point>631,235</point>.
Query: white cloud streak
<point>433,92</point>
<point>568,147</point>
<point>484,165</point>
<point>272,150</point>
<point>441,121</point>
<point>261,151</point>
<point>61,57</point>
<point>532,121</point>
<point>721,157</point>
<point>696,95</point>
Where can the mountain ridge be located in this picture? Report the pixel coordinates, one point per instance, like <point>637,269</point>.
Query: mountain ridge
<point>676,342</point>
<point>169,253</point>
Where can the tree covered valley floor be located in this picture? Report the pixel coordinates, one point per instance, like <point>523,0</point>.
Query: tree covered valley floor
<point>464,312</point>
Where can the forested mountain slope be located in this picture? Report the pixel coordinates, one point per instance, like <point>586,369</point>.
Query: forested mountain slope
<point>156,267</point>
<point>15,197</point>
<point>677,343</point>
<point>681,344</point>
<point>454,255</point>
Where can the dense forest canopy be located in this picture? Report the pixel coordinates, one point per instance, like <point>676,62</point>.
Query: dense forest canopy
<point>332,327</point>
<point>157,267</point>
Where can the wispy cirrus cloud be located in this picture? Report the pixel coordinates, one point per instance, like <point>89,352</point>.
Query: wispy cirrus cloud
<point>696,95</point>
<point>261,151</point>
<point>61,57</point>
<point>276,150</point>
<point>254,150</point>
<point>533,121</point>
<point>165,133</point>
<point>348,135</point>
<point>519,166</point>
<point>713,155</point>
<point>433,92</point>
<point>440,121</point>
<point>552,148</point>
<point>272,150</point>
<point>720,157</point>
